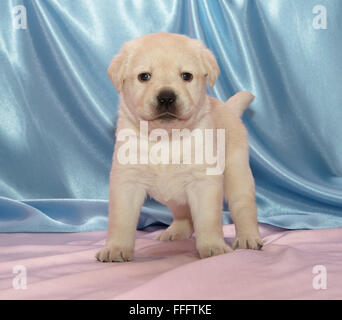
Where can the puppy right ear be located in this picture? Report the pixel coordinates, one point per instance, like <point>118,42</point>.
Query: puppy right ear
<point>116,70</point>
<point>211,66</point>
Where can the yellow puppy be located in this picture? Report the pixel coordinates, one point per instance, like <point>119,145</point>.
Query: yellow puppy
<point>161,79</point>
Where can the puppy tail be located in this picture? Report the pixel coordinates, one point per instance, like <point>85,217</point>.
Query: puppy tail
<point>239,102</point>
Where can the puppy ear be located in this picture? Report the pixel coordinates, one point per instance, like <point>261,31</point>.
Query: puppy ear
<point>116,70</point>
<point>210,66</point>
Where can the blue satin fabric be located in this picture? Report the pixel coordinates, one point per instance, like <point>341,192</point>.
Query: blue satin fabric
<point>58,109</point>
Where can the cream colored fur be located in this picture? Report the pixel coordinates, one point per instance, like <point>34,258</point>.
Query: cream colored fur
<point>194,198</point>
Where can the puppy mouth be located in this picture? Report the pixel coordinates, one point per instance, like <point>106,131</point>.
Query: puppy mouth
<point>166,116</point>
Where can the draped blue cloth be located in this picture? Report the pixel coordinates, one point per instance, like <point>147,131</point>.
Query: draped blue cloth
<point>58,109</point>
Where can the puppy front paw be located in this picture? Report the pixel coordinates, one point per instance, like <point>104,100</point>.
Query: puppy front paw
<point>247,241</point>
<point>114,253</point>
<point>213,249</point>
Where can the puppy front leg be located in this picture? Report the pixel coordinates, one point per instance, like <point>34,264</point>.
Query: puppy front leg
<point>205,200</point>
<point>126,199</point>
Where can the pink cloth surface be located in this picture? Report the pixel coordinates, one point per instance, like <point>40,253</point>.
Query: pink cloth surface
<point>62,266</point>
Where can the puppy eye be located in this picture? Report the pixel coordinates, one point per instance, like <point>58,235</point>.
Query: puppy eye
<point>186,76</point>
<point>145,76</point>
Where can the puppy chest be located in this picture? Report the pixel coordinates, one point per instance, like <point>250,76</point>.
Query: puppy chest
<point>166,185</point>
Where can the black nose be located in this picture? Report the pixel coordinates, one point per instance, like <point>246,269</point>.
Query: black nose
<point>166,99</point>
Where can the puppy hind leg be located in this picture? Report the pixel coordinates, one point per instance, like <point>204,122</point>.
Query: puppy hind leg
<point>240,193</point>
<point>181,228</point>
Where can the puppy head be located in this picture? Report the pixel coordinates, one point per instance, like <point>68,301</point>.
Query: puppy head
<point>162,77</point>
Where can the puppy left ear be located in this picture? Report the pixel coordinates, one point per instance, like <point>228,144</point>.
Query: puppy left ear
<point>210,65</point>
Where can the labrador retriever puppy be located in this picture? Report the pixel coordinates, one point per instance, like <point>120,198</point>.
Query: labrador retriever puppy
<point>161,79</point>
